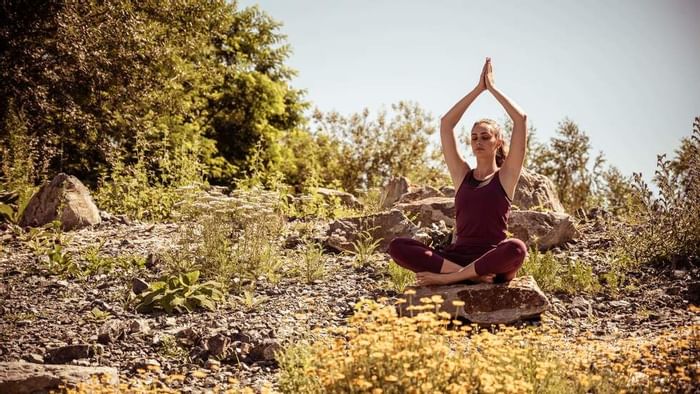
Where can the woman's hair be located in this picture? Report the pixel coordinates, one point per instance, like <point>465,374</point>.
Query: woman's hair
<point>495,128</point>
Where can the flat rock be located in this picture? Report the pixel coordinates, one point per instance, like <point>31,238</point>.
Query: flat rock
<point>485,303</point>
<point>23,377</point>
<point>69,353</point>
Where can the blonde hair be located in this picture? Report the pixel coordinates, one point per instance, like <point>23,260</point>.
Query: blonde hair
<point>495,128</point>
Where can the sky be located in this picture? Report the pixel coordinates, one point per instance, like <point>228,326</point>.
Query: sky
<point>626,71</point>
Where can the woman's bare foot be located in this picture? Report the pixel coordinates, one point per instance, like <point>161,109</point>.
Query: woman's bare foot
<point>428,278</point>
<point>488,278</point>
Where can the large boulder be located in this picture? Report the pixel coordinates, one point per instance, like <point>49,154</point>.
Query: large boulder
<point>22,377</point>
<point>394,189</point>
<point>430,210</point>
<point>383,226</point>
<point>420,193</point>
<point>544,229</point>
<point>484,303</point>
<point>64,198</point>
<point>536,192</point>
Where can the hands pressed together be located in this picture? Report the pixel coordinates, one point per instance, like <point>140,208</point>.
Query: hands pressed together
<point>486,81</point>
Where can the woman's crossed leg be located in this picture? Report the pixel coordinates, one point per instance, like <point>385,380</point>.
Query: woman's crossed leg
<point>500,263</point>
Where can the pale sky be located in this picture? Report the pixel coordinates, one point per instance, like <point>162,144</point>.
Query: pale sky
<point>625,71</point>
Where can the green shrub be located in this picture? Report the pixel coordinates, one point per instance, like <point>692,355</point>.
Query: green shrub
<point>232,241</point>
<point>399,277</point>
<point>180,293</point>
<point>666,229</point>
<point>364,248</point>
<point>49,245</point>
<point>309,264</point>
<point>573,276</point>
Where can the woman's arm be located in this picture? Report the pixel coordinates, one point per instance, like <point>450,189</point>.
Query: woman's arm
<point>457,166</point>
<point>512,166</point>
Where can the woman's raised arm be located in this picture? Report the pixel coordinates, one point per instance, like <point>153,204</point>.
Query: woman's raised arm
<point>456,164</point>
<point>513,164</point>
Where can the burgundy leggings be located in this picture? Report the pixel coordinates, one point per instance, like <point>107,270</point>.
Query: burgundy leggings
<point>504,260</point>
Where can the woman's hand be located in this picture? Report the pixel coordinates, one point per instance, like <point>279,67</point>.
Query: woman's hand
<point>482,79</point>
<point>488,74</point>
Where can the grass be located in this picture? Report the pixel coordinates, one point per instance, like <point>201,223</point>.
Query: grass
<point>399,277</point>
<point>308,263</point>
<point>554,275</point>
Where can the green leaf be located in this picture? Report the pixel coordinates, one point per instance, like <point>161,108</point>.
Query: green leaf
<point>190,278</point>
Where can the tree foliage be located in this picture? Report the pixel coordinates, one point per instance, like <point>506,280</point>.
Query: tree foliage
<point>164,83</point>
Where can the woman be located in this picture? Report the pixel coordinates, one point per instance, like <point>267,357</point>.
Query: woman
<point>483,196</point>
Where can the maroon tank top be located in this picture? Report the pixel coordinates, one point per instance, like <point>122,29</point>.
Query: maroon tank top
<point>481,213</point>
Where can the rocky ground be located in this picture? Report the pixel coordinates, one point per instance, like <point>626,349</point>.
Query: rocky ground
<point>41,315</point>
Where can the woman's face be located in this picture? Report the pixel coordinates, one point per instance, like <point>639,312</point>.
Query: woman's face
<point>484,142</point>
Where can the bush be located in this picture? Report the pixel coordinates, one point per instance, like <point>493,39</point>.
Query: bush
<point>230,240</point>
<point>552,275</point>
<point>666,229</point>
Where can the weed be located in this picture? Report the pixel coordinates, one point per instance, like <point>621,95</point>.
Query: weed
<point>309,263</point>
<point>399,277</point>
<point>249,301</point>
<point>364,247</point>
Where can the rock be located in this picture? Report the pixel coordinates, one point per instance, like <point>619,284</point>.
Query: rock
<point>35,358</point>
<point>138,286</point>
<point>218,344</point>
<point>111,331</point>
<point>545,229</point>
<point>620,304</point>
<point>264,351</point>
<point>692,293</point>
<point>484,303</point>
<point>345,198</point>
<point>394,189</point>
<point>420,193</point>
<point>536,192</point>
<point>430,210</point>
<point>139,326</point>
<point>383,226</point>
<point>22,377</point>
<point>64,192</point>
<point>69,353</point>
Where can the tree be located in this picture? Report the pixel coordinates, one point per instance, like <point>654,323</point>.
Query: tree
<point>374,149</point>
<point>565,160</point>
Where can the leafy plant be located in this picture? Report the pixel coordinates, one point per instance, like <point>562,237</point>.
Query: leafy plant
<point>180,293</point>
<point>97,314</point>
<point>48,244</point>
<point>364,247</point>
<point>97,263</point>
<point>249,301</point>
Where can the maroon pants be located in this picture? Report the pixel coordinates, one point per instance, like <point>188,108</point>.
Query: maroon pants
<point>504,260</point>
